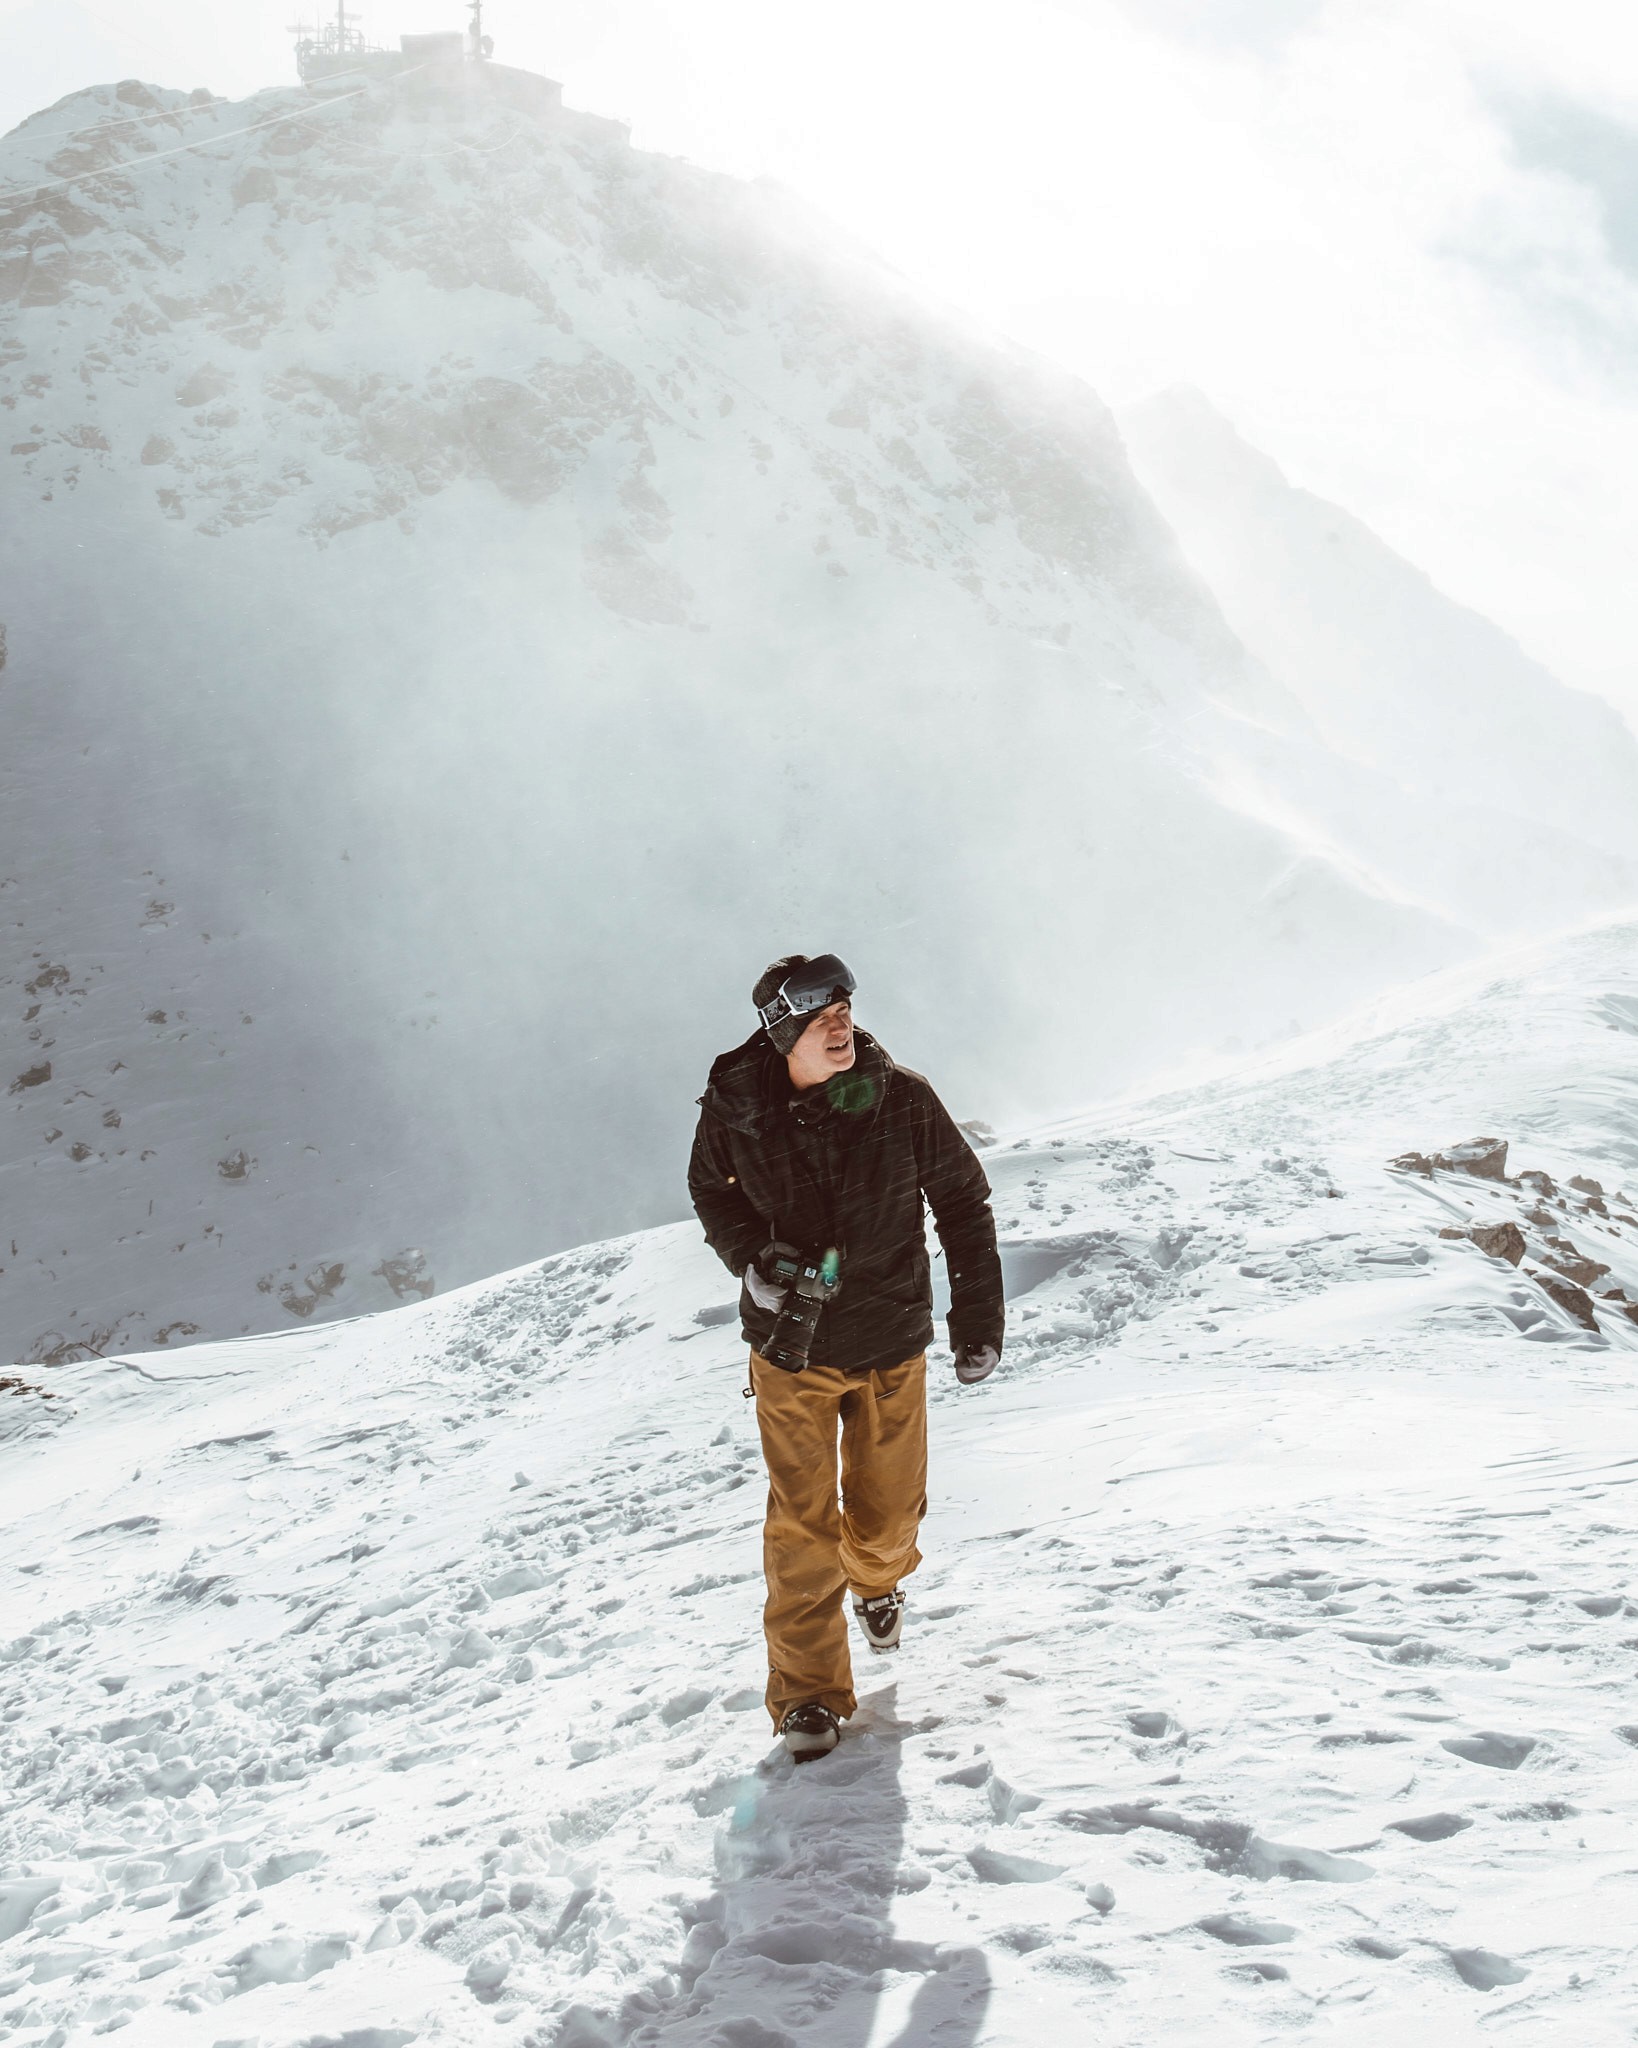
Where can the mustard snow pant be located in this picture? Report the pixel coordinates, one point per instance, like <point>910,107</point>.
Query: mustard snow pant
<point>815,1547</point>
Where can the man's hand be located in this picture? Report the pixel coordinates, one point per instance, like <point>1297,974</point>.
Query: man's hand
<point>768,1295</point>
<point>975,1362</point>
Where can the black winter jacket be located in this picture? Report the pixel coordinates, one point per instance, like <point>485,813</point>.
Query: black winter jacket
<point>847,1164</point>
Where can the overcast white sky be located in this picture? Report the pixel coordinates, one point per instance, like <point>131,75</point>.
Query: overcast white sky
<point>1395,240</point>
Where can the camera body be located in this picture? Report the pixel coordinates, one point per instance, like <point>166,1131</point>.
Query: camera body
<point>810,1280</point>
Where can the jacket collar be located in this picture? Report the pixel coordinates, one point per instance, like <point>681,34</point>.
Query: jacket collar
<point>749,1087</point>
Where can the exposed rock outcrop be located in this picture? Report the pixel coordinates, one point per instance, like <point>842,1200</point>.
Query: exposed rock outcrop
<point>1500,1241</point>
<point>1575,1301</point>
<point>1537,1231</point>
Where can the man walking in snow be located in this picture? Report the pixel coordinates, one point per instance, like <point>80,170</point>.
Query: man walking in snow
<point>813,1155</point>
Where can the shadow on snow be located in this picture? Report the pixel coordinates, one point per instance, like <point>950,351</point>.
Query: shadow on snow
<point>795,1947</point>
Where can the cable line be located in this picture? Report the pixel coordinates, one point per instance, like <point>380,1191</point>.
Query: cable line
<point>21,192</point>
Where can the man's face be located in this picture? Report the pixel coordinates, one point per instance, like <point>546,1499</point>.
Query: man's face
<point>825,1048</point>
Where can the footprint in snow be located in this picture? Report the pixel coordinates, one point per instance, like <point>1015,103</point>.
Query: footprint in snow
<point>1498,1752</point>
<point>285,1959</point>
<point>1244,1930</point>
<point>1484,1969</point>
<point>1001,1866</point>
<point>1024,1941</point>
<point>1432,1827</point>
<point>1540,1809</point>
<point>1007,1802</point>
<point>1230,1846</point>
<point>1379,1947</point>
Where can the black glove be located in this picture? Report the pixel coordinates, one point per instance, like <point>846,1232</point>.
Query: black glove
<point>975,1362</point>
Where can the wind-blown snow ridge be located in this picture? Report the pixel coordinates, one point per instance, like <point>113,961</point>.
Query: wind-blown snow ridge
<point>399,1680</point>
<point>1429,702</point>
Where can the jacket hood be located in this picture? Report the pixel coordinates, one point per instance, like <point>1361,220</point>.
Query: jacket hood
<point>748,1085</point>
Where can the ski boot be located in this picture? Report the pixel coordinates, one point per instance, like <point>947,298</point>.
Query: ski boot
<point>881,1619</point>
<point>810,1732</point>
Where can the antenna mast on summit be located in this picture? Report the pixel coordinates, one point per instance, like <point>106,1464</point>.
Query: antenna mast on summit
<point>480,44</point>
<point>331,46</point>
<point>346,40</point>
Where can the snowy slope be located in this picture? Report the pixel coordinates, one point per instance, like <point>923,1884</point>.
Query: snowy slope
<point>1271,1671</point>
<point>1533,780</point>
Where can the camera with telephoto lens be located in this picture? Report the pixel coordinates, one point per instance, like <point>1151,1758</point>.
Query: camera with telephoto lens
<point>810,1279</point>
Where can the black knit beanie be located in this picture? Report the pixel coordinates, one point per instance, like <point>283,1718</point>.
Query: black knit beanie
<point>783,1035</point>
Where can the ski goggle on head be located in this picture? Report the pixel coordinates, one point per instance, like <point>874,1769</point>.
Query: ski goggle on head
<point>806,991</point>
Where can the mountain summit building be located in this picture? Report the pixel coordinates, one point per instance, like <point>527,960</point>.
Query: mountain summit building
<point>336,52</point>
<point>337,49</point>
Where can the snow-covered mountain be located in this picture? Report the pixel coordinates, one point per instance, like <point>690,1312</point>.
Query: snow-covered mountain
<point>1270,1671</point>
<point>1434,707</point>
<point>474,591</point>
